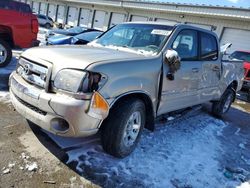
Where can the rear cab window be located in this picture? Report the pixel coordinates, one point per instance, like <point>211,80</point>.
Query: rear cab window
<point>209,47</point>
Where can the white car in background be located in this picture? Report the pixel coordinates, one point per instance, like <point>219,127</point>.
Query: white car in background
<point>45,21</point>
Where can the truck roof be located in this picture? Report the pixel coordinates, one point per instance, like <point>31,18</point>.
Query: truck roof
<point>174,25</point>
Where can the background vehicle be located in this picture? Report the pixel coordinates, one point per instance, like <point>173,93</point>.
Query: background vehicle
<point>245,57</point>
<point>45,21</point>
<point>120,82</point>
<point>18,29</point>
<point>69,32</point>
<point>83,38</point>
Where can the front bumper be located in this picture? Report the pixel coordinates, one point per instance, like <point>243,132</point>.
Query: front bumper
<point>49,110</point>
<point>246,84</point>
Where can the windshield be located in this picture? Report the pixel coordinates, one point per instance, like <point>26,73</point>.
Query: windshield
<point>76,29</point>
<point>139,38</point>
<point>245,56</point>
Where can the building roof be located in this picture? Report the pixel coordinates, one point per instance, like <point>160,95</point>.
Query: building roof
<point>233,13</point>
<point>191,4</point>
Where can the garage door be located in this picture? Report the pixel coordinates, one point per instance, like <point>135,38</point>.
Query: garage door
<point>84,17</point>
<point>52,11</point>
<point>135,18</point>
<point>207,27</point>
<point>29,2</point>
<point>60,14</point>
<point>35,7</point>
<point>170,22</point>
<point>116,18</point>
<point>43,8</point>
<point>240,39</point>
<point>99,19</point>
<point>72,16</point>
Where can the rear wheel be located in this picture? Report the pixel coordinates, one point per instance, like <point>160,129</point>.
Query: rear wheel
<point>122,129</point>
<point>223,105</point>
<point>5,53</point>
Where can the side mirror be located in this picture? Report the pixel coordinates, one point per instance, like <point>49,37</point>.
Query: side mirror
<point>173,60</point>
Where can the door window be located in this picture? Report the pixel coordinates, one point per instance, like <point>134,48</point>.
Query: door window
<point>186,44</point>
<point>209,49</point>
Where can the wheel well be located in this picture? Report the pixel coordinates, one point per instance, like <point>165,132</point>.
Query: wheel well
<point>234,86</point>
<point>148,104</point>
<point>6,35</point>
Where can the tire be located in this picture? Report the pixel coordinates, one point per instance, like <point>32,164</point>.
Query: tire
<point>47,26</point>
<point>222,106</point>
<point>115,134</point>
<point>5,53</point>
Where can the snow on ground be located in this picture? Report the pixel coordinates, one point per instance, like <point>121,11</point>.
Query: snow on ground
<point>184,152</point>
<point>4,97</point>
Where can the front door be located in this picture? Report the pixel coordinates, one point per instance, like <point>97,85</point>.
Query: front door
<point>183,90</point>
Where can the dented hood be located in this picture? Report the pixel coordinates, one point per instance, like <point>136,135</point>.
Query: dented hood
<point>77,57</point>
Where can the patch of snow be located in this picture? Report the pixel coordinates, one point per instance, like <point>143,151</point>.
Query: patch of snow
<point>245,160</point>
<point>6,171</point>
<point>31,167</point>
<point>170,118</point>
<point>11,165</point>
<point>242,146</point>
<point>184,152</point>
<point>24,156</point>
<point>237,131</point>
<point>244,185</point>
<point>4,97</point>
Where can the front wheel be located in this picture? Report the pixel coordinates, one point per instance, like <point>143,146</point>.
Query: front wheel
<point>223,105</point>
<point>122,129</point>
<point>5,53</point>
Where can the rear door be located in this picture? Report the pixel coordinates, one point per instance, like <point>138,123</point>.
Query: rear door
<point>211,66</point>
<point>183,91</point>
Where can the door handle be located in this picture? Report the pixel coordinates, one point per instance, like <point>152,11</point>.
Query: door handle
<point>195,70</point>
<point>216,68</point>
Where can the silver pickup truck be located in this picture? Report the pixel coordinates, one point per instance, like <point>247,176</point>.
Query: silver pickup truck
<point>122,81</point>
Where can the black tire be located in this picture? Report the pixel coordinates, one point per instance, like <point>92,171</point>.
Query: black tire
<point>114,127</point>
<point>47,26</point>
<point>223,105</point>
<point>7,53</point>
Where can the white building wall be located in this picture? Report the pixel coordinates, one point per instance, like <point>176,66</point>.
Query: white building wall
<point>215,17</point>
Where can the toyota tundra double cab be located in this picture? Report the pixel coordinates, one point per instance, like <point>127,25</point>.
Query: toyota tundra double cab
<point>119,83</point>
<point>18,28</point>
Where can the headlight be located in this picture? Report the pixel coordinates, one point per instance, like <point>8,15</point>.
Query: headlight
<point>69,80</point>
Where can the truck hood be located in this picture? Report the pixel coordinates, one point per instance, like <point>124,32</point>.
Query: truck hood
<point>77,57</point>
